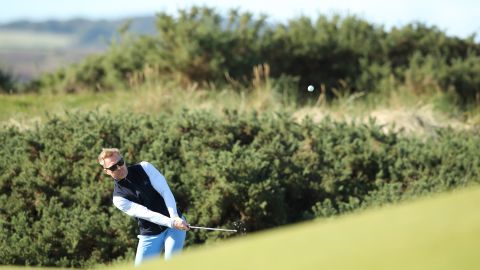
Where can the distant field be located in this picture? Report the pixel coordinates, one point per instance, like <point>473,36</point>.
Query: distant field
<point>434,233</point>
<point>27,54</point>
<point>26,64</point>
<point>33,40</point>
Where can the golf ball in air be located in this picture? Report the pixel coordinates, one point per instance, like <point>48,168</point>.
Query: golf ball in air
<point>310,88</point>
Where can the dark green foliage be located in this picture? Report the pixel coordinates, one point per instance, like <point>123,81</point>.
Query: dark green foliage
<point>7,81</point>
<point>338,55</point>
<point>266,171</point>
<point>201,45</point>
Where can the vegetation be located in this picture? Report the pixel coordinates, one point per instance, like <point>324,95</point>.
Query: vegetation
<point>399,110</point>
<point>225,116</point>
<point>437,233</point>
<point>7,81</point>
<point>264,171</point>
<point>338,55</point>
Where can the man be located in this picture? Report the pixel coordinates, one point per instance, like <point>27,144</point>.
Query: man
<point>141,191</point>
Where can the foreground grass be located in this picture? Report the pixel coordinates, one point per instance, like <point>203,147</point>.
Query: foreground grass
<point>440,232</point>
<point>433,233</point>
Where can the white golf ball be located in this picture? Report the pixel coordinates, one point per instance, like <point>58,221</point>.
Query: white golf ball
<point>310,88</point>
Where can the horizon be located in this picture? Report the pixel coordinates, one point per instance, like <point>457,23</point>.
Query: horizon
<point>457,18</point>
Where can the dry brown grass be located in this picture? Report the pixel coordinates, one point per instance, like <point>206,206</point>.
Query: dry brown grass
<point>408,120</point>
<point>397,110</point>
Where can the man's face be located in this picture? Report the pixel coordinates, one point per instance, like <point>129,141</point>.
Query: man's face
<point>112,167</point>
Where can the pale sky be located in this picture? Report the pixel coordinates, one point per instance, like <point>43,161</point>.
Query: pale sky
<point>456,17</point>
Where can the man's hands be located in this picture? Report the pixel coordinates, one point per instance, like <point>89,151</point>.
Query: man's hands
<point>180,224</point>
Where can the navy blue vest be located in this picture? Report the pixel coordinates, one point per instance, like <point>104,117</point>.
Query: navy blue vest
<point>136,187</point>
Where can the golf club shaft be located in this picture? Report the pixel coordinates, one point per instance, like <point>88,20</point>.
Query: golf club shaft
<point>212,229</point>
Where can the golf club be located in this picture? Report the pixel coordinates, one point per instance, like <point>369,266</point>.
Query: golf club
<point>212,229</point>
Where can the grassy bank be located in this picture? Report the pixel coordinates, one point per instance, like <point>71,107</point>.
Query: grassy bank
<point>397,109</point>
<point>434,233</point>
<point>440,232</point>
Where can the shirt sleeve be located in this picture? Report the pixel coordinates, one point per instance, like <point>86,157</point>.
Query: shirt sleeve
<point>160,185</point>
<point>140,211</point>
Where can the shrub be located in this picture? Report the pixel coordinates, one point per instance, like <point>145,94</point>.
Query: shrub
<point>341,55</point>
<point>265,171</point>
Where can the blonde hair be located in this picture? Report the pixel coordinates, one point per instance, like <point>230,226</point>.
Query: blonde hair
<point>107,152</point>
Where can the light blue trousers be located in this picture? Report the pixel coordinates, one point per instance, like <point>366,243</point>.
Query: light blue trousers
<point>150,246</point>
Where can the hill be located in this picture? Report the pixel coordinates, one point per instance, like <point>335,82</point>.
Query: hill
<point>436,233</point>
<point>28,49</point>
<point>87,33</point>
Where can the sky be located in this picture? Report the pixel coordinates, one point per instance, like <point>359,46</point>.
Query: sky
<point>456,17</point>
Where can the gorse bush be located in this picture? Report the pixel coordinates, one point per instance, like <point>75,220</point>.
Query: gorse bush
<point>265,171</point>
<point>7,81</point>
<point>337,54</point>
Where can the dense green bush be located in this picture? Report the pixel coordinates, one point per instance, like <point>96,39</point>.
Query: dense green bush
<point>265,171</point>
<point>7,81</point>
<point>345,54</point>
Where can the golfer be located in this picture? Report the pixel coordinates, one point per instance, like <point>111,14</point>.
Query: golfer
<point>141,191</point>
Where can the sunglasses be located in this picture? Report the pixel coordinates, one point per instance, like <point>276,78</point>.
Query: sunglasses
<point>117,165</point>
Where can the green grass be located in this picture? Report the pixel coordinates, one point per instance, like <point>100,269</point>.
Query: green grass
<point>419,117</point>
<point>28,109</point>
<point>442,232</point>
<point>148,98</point>
<point>436,232</point>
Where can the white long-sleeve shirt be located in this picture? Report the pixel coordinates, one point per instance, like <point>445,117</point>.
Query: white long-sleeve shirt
<point>139,211</point>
